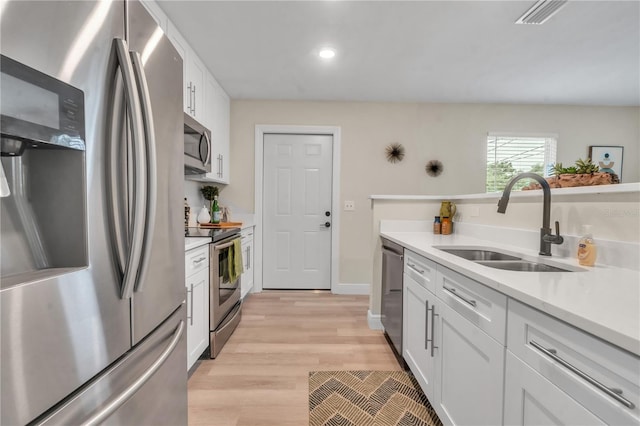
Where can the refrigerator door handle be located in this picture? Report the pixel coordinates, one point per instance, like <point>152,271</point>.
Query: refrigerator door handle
<point>151,189</point>
<point>136,234</point>
<point>134,387</point>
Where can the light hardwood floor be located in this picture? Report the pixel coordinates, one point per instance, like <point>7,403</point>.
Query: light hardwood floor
<point>261,375</point>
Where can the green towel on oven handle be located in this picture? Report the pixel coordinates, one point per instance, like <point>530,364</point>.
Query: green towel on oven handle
<point>235,260</point>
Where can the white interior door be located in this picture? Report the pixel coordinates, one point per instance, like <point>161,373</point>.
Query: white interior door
<point>297,197</point>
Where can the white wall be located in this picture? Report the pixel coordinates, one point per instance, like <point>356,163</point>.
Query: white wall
<point>452,133</point>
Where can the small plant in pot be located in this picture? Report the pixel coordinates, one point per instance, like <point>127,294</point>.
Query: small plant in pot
<point>209,192</point>
<point>583,173</point>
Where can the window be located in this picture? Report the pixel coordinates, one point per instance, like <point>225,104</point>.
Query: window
<point>509,155</point>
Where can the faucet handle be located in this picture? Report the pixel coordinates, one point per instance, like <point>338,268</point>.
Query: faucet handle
<point>557,239</point>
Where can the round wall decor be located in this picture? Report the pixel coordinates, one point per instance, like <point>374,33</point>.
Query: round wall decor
<point>395,152</point>
<point>434,168</point>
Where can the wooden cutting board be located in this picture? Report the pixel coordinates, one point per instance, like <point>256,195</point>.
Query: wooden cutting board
<point>221,225</point>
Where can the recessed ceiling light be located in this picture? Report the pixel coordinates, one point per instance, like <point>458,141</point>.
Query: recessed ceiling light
<point>327,53</point>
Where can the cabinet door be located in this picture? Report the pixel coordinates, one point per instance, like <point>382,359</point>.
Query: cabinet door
<point>247,258</point>
<point>469,371</point>
<point>581,365</point>
<point>416,330</point>
<point>197,315</point>
<point>196,75</point>
<point>182,47</point>
<point>530,399</point>
<point>220,134</point>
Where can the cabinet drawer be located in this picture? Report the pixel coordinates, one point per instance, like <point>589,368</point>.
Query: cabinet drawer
<point>596,374</point>
<point>196,260</point>
<point>530,399</point>
<point>420,269</point>
<point>484,307</point>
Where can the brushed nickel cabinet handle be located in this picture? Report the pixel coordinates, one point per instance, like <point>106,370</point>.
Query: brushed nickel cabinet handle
<point>433,322</point>
<point>190,317</point>
<point>426,325</point>
<point>614,393</point>
<point>464,299</point>
<point>415,268</point>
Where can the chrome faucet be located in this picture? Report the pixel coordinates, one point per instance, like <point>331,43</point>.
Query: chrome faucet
<point>546,237</point>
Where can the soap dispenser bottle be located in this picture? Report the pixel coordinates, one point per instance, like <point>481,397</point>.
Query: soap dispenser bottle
<point>587,250</point>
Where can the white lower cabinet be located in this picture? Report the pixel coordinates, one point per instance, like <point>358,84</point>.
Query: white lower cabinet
<point>601,381</point>
<point>458,365</point>
<point>246,280</point>
<point>532,400</point>
<point>197,283</point>
<point>493,360</point>
<point>416,311</point>
<point>469,371</point>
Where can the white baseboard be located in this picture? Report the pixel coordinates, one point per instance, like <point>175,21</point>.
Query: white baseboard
<point>374,321</point>
<point>348,288</point>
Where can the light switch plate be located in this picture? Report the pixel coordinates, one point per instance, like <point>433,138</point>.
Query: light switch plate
<point>349,206</point>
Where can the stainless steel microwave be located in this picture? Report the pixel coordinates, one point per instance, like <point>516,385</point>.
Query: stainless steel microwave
<point>197,147</point>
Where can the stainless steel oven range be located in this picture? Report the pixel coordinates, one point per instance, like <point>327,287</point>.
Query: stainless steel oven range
<point>224,289</point>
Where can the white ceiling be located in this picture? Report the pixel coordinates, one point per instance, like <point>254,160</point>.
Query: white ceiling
<point>417,51</point>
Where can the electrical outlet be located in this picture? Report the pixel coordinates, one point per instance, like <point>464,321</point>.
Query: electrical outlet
<point>474,211</point>
<point>349,206</point>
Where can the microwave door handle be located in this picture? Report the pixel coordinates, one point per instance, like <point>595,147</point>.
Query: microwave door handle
<point>207,160</point>
<point>151,167</point>
<point>135,238</point>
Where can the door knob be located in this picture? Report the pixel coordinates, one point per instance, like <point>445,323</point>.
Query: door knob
<point>325,225</point>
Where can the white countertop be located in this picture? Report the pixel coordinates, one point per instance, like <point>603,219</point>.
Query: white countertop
<point>194,242</point>
<point>602,300</point>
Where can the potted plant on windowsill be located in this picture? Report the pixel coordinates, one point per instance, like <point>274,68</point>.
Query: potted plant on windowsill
<point>584,173</point>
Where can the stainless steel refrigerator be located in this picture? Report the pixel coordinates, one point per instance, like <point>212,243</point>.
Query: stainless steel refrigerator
<point>92,286</point>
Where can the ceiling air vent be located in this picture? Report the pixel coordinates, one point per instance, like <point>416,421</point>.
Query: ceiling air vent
<point>540,12</point>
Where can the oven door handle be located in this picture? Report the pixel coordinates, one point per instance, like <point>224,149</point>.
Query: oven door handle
<point>224,246</point>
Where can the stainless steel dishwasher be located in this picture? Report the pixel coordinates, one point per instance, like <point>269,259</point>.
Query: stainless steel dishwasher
<point>392,266</point>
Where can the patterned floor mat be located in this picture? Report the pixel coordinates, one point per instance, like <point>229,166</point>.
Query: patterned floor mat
<point>368,398</point>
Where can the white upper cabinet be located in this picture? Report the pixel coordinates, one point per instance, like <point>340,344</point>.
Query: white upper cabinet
<point>204,99</point>
<point>194,75</point>
<point>220,106</point>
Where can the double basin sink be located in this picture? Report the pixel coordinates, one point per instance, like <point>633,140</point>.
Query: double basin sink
<point>498,260</point>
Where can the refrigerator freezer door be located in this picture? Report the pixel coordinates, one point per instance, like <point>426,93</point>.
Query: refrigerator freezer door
<point>160,400</point>
<point>161,283</point>
<point>58,332</point>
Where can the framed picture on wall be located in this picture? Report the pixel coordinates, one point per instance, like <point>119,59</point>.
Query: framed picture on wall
<point>609,158</point>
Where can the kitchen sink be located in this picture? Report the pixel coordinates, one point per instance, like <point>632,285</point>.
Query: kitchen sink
<point>479,254</point>
<point>522,266</point>
<point>498,260</point>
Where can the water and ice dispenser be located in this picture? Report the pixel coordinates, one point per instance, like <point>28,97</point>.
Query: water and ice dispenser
<point>43,220</point>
